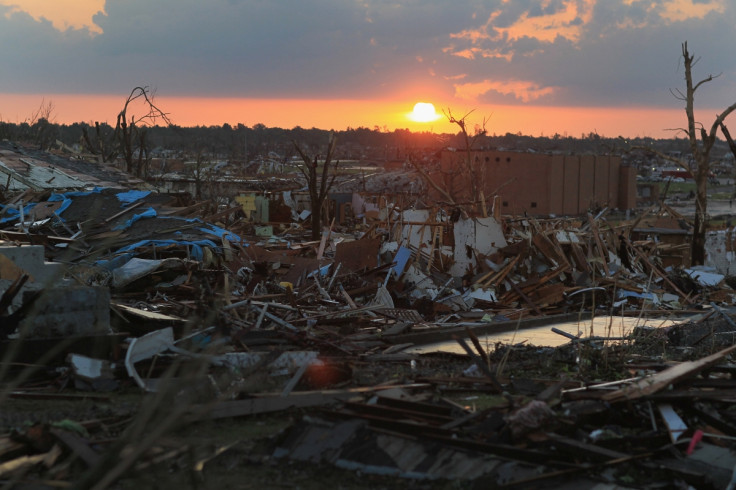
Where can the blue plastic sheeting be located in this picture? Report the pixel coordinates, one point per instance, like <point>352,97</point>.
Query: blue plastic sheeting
<point>130,197</point>
<point>220,232</point>
<point>10,214</point>
<point>67,201</point>
<point>13,214</point>
<point>195,250</point>
<point>115,262</point>
<point>208,228</point>
<point>402,257</point>
<point>322,271</point>
<point>148,213</point>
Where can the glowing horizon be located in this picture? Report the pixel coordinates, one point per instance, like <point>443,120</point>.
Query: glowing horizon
<point>346,113</point>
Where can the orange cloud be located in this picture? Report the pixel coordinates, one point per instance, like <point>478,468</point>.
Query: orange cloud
<point>568,23</point>
<point>63,14</point>
<point>681,10</point>
<point>675,10</point>
<point>522,90</point>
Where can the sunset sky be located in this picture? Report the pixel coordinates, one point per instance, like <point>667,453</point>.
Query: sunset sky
<point>538,67</point>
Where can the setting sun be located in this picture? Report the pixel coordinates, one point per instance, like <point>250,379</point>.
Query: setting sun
<point>423,112</point>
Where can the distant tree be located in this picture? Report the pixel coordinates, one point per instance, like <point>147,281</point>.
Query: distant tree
<point>102,143</point>
<point>45,111</point>
<point>43,131</point>
<point>201,167</point>
<point>319,182</point>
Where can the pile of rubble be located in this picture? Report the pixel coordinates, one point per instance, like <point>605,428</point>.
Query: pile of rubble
<point>109,291</point>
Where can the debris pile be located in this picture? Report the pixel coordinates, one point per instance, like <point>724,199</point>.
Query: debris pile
<point>206,315</point>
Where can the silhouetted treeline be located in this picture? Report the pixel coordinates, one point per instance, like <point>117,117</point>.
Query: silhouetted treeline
<point>243,143</point>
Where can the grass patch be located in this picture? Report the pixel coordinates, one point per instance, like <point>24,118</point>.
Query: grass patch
<point>480,401</point>
<point>677,187</point>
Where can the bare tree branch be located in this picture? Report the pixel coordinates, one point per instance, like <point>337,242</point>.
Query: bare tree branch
<point>318,185</point>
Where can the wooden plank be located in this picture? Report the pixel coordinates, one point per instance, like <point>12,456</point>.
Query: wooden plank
<point>587,450</point>
<point>129,208</point>
<point>79,445</point>
<point>476,343</point>
<point>484,328</point>
<point>578,256</point>
<point>481,365</point>
<point>524,297</point>
<point>546,248</point>
<point>656,382</point>
<point>551,236</point>
<point>31,238</point>
<point>549,295</point>
<point>659,273</point>
<point>501,275</point>
<point>275,403</point>
<point>596,237</point>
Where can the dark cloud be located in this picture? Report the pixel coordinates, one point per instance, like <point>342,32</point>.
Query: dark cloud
<point>623,55</point>
<point>608,54</point>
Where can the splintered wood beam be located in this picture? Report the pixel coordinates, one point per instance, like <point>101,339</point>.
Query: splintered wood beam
<point>547,248</point>
<point>656,271</point>
<point>656,382</point>
<point>579,258</point>
<point>524,297</point>
<point>601,249</point>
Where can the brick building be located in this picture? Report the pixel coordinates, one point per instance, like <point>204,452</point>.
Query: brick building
<point>540,184</point>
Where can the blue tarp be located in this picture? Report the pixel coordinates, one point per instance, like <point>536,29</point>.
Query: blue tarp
<point>13,214</point>
<point>124,254</point>
<point>148,213</point>
<point>403,255</point>
<point>220,232</point>
<point>130,197</point>
<point>67,201</point>
<point>128,252</point>
<point>208,228</point>
<point>322,271</point>
<point>10,214</point>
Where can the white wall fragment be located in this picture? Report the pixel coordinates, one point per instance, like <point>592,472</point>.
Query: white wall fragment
<point>484,235</point>
<point>704,276</point>
<point>719,253</point>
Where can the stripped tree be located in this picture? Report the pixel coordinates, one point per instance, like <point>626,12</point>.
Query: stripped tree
<point>318,183</point>
<point>472,175</point>
<point>475,170</point>
<point>700,141</point>
<point>130,132</point>
<point>129,137</point>
<point>699,166</point>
